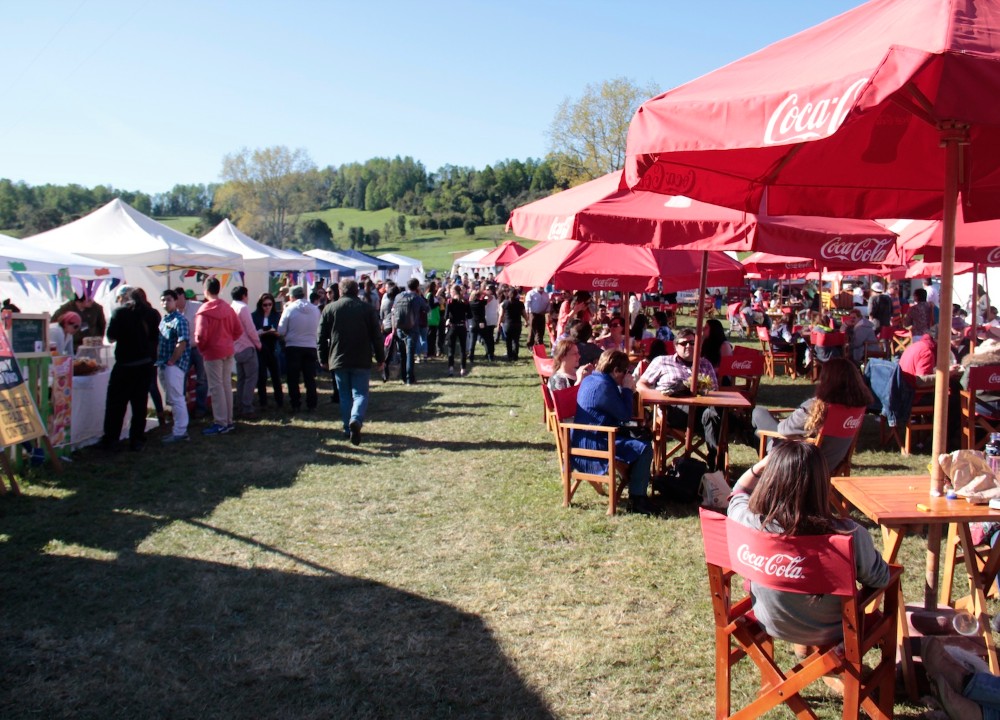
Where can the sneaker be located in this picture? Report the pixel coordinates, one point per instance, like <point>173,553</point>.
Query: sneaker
<point>215,429</point>
<point>451,372</point>
<point>461,373</point>
<point>171,439</point>
<point>355,432</point>
<point>229,428</point>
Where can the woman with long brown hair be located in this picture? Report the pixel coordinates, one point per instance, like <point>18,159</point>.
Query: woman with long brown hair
<point>265,319</point>
<point>788,493</point>
<point>840,383</point>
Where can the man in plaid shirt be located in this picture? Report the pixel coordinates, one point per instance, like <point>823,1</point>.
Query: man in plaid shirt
<point>671,375</point>
<point>173,357</point>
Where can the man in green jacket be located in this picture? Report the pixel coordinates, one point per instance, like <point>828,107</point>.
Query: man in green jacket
<point>349,335</point>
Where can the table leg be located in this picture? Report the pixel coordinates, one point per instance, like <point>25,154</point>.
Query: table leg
<point>892,541</point>
<point>933,564</point>
<point>722,452</point>
<point>978,583</point>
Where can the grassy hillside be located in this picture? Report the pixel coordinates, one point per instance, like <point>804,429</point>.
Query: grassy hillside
<point>433,248</point>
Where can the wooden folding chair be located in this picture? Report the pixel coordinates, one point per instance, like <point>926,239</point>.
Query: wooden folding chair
<point>615,477</point>
<point>841,422</point>
<point>976,416</point>
<point>826,340</point>
<point>817,564</point>
<point>772,358</point>
<point>900,340</point>
<point>744,373</point>
<point>921,420</point>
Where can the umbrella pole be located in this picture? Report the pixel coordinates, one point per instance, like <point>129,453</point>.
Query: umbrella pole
<point>975,306</point>
<point>696,360</point>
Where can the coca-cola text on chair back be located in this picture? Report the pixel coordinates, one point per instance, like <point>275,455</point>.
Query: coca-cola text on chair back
<point>842,421</point>
<point>745,365</point>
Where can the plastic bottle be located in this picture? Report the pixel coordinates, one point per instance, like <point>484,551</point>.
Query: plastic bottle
<point>993,453</point>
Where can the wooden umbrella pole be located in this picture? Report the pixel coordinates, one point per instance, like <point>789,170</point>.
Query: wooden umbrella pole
<point>975,306</point>
<point>941,375</point>
<point>700,322</point>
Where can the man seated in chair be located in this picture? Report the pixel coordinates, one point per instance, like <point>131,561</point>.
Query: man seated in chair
<point>671,375</point>
<point>917,364</point>
<point>788,493</point>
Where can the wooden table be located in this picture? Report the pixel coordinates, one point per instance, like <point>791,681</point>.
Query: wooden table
<point>901,502</point>
<point>722,400</point>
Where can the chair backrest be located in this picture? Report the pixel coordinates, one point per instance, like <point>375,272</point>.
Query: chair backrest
<point>885,332</point>
<point>984,377</point>
<point>741,351</point>
<point>669,345</point>
<point>565,402</point>
<point>743,365</point>
<point>807,564</point>
<point>543,366</point>
<point>763,335</point>
<point>829,339</point>
<point>539,351</point>
<point>643,345</point>
<point>550,405</point>
<point>842,421</point>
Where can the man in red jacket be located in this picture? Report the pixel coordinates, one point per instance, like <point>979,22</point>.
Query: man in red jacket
<point>216,330</point>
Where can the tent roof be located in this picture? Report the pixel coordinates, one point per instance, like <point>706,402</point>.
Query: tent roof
<point>371,260</point>
<point>20,256</point>
<point>342,261</point>
<point>120,234</point>
<point>472,259</point>
<point>256,255</point>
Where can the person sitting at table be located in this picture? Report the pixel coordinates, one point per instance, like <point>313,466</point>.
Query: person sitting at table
<point>566,368</point>
<point>61,333</point>
<point>715,345</point>
<point>965,689</point>
<point>671,375</point>
<point>860,335</point>
<point>581,334</point>
<point>657,348</point>
<point>614,337</point>
<point>788,493</point>
<point>605,398</point>
<point>841,383</point>
<point>785,339</point>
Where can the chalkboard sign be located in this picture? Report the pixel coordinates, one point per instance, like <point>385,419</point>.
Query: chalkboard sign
<point>29,334</point>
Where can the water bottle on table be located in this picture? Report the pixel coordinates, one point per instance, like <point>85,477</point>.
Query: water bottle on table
<point>993,453</point>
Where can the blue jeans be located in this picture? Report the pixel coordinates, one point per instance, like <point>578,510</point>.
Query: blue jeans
<point>352,384</point>
<point>423,342</point>
<point>984,689</point>
<point>410,340</point>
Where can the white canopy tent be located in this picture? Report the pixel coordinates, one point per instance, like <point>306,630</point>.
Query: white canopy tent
<point>28,274</point>
<point>408,267</point>
<point>120,234</point>
<point>470,263</point>
<point>360,267</point>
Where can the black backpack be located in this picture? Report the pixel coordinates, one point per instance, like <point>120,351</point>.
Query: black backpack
<point>403,311</point>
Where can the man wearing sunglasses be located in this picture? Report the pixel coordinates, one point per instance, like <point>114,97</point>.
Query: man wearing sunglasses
<point>671,375</point>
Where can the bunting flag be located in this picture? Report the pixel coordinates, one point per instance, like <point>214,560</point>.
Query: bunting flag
<point>17,266</point>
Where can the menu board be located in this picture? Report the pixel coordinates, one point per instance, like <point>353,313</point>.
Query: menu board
<point>29,334</point>
<point>19,417</point>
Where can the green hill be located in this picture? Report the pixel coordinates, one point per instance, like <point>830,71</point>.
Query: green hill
<point>434,248</point>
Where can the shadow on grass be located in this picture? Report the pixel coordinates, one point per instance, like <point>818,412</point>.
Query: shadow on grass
<point>396,443</point>
<point>147,636</point>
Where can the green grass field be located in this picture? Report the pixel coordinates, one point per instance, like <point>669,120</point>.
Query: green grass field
<point>431,572</point>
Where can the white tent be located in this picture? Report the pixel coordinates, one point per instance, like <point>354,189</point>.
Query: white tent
<point>408,267</point>
<point>120,234</point>
<point>22,257</point>
<point>360,267</point>
<point>256,256</point>
<point>470,263</point>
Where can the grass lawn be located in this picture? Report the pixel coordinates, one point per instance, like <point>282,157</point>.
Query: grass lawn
<point>431,572</point>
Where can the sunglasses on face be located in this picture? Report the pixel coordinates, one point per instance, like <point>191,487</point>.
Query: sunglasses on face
<point>683,343</point>
<point>267,304</point>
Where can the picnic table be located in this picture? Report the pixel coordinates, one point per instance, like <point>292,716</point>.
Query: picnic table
<point>900,504</point>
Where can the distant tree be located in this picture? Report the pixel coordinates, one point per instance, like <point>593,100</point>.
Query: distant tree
<point>587,136</point>
<point>36,220</point>
<point>401,225</point>
<point>315,233</point>
<point>373,238</point>
<point>356,237</point>
<point>267,187</point>
<point>414,224</point>
<point>207,220</point>
<point>470,227</point>
<point>387,230</point>
<point>340,226</point>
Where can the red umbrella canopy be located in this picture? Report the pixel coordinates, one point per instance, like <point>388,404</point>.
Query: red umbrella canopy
<point>574,265</point>
<point>845,118</point>
<point>976,242</point>
<point>924,269</point>
<point>783,266</point>
<point>602,211</point>
<point>507,253</point>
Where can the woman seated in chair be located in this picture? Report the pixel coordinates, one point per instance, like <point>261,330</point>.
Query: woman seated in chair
<point>605,398</point>
<point>788,493</point>
<point>841,383</point>
<point>566,368</point>
<point>661,326</point>
<point>614,337</point>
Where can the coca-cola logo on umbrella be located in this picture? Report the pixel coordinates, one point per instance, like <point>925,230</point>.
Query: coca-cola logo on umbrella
<point>993,256</point>
<point>668,180</point>
<point>561,228</point>
<point>605,283</point>
<point>794,121</point>
<point>779,565</point>
<point>868,250</point>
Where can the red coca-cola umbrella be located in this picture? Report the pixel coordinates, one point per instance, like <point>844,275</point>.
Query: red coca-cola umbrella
<point>602,211</point>
<point>783,266</point>
<point>574,265</point>
<point>975,242</point>
<point>505,254</point>
<point>888,110</point>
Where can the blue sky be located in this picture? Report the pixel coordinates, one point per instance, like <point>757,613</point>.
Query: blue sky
<point>142,95</point>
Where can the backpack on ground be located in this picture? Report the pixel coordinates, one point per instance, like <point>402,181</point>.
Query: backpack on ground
<point>404,311</point>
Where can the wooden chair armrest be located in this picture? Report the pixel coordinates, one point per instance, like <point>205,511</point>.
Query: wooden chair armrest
<point>867,595</point>
<point>590,428</point>
<point>765,434</point>
<point>782,410</point>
